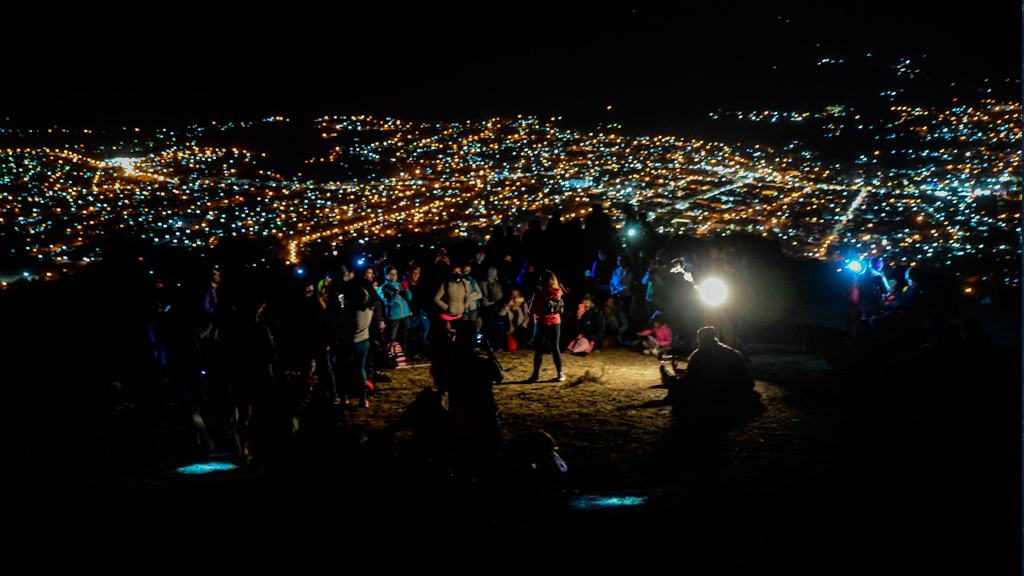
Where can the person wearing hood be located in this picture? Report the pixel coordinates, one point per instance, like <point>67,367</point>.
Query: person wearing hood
<point>491,295</point>
<point>546,307</point>
<point>473,295</point>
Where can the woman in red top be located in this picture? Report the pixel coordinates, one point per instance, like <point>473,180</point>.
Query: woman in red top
<point>547,323</point>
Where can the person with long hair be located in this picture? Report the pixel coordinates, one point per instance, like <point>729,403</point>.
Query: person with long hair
<point>546,307</point>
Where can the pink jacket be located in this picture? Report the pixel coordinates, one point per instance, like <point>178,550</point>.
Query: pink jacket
<point>663,334</point>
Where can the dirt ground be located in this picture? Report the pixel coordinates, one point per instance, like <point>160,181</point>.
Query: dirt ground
<point>821,481</point>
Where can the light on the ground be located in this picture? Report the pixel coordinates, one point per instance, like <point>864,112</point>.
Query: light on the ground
<point>605,502</point>
<point>206,468</point>
<point>713,292</point>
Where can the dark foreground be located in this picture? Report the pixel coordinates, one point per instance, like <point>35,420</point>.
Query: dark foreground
<point>830,478</point>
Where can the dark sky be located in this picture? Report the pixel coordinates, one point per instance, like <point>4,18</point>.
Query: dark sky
<point>434,60</point>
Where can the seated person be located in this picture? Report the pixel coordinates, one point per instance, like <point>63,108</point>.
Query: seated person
<point>427,419</point>
<point>590,328</point>
<point>658,338</point>
<point>526,459</point>
<point>515,311</point>
<point>715,373</point>
<point>616,324</point>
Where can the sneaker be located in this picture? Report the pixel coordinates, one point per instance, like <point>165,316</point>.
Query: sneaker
<point>364,403</point>
<point>534,378</point>
<point>561,378</point>
<point>647,352</point>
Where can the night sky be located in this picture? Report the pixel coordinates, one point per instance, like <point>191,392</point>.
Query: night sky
<point>434,61</point>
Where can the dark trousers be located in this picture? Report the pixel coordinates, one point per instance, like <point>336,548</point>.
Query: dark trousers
<point>544,336</point>
<point>355,356</point>
<point>397,331</point>
<point>325,372</point>
<point>489,325</point>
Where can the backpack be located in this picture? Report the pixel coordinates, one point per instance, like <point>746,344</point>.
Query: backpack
<point>554,306</point>
<point>396,356</point>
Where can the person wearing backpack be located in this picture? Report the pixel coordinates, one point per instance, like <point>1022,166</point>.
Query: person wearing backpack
<point>547,306</point>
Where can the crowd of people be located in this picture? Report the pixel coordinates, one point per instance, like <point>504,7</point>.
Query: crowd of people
<point>291,349</point>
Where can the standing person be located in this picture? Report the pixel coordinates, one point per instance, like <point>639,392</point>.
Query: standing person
<point>452,298</point>
<point>422,303</point>
<point>473,296</point>
<point>622,283</point>
<point>873,287</point>
<point>468,380</point>
<point>490,299</point>
<point>250,351</point>
<point>398,301</point>
<point>598,227</point>
<point>354,336</point>
<point>601,272</point>
<point>533,240</point>
<point>528,279</point>
<point>656,281</point>
<point>546,306</point>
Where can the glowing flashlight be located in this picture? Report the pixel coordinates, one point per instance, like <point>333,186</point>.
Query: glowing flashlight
<point>631,232</point>
<point>856,267</point>
<point>713,292</point>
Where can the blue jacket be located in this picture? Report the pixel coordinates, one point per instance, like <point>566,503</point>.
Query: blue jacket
<point>397,298</point>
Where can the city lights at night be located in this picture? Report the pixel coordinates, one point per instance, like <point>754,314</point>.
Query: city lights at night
<point>567,288</point>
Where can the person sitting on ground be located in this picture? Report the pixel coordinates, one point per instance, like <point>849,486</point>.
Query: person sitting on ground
<point>526,458</point>
<point>616,324</point>
<point>427,419</point>
<point>658,338</point>
<point>515,310</point>
<point>714,373</point>
<point>590,328</point>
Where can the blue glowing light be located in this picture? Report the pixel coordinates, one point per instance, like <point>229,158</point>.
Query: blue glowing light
<point>206,467</point>
<point>605,502</point>
<point>631,232</point>
<point>855,266</point>
<point>300,270</point>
